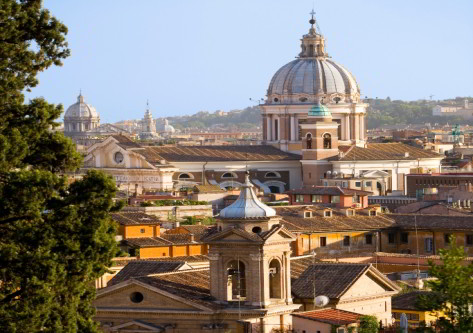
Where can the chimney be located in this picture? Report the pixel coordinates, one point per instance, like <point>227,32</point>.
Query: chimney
<point>466,103</point>
<point>191,238</point>
<point>406,154</point>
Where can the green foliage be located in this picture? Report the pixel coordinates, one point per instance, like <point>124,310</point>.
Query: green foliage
<point>55,239</point>
<point>368,324</point>
<point>452,290</point>
<point>193,220</point>
<point>386,112</point>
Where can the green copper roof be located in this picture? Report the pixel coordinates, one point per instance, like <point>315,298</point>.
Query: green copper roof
<point>319,110</point>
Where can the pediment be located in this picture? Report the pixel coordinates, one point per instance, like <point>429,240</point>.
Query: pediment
<point>375,174</point>
<point>233,235</point>
<point>136,325</point>
<point>279,235</point>
<point>119,296</point>
<point>369,284</point>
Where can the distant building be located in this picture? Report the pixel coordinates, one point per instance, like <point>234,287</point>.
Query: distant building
<point>465,110</point>
<point>80,118</point>
<point>148,128</point>
<point>164,129</point>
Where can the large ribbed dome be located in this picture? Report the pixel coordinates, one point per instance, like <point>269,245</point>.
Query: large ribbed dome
<point>81,110</point>
<point>312,76</point>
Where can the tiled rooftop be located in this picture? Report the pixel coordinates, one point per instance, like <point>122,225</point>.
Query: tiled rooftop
<point>330,316</point>
<point>134,218</point>
<point>387,151</point>
<point>407,301</point>
<point>328,190</point>
<point>145,267</point>
<point>216,153</point>
<point>331,280</point>
<point>190,259</point>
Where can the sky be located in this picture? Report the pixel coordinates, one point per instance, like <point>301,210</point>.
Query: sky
<point>190,55</point>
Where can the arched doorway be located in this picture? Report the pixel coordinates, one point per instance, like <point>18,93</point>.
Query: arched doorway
<point>327,141</point>
<point>236,281</point>
<point>274,279</point>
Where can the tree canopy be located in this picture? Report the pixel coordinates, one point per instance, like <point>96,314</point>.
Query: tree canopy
<point>56,238</point>
<point>452,290</point>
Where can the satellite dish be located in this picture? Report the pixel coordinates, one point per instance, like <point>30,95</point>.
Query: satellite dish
<point>321,301</point>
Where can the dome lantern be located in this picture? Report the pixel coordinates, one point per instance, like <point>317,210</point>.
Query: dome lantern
<point>313,44</point>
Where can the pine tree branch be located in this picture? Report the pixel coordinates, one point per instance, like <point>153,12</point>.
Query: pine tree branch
<point>10,297</point>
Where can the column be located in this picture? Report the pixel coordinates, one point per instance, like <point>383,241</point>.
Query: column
<point>269,127</point>
<point>296,127</point>
<point>292,128</point>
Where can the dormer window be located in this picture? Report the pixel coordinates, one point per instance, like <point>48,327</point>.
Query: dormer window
<point>229,175</point>
<point>373,212</point>
<point>350,212</point>
<point>327,213</point>
<point>307,214</point>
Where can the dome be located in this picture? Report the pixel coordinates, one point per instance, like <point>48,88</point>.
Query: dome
<point>81,110</point>
<point>164,127</point>
<point>247,205</point>
<point>312,74</point>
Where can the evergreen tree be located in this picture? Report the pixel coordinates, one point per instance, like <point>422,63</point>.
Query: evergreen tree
<point>55,238</point>
<point>452,290</point>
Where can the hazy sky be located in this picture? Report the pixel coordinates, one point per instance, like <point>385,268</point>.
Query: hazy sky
<point>191,55</point>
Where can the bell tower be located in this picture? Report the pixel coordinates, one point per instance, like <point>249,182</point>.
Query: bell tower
<point>250,256</point>
<point>319,142</point>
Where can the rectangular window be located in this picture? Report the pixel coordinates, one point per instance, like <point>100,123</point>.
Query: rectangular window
<point>446,238</point>
<point>373,213</point>
<point>391,238</point>
<point>344,184</point>
<point>369,239</point>
<point>368,184</point>
<point>142,231</point>
<point>346,241</point>
<point>323,241</point>
<point>404,237</point>
<point>299,198</point>
<point>429,244</point>
<point>469,239</point>
<point>356,199</point>
<point>316,198</point>
<point>357,184</point>
<point>328,213</point>
<point>307,214</point>
<point>350,212</point>
<point>335,199</point>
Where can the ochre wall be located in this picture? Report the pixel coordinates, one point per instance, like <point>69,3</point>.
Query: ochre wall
<point>134,231</point>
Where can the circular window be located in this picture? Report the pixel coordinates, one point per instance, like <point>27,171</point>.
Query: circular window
<point>256,230</point>
<point>276,99</point>
<point>136,297</point>
<point>118,157</point>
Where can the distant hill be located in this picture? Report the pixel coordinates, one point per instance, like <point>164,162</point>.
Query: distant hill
<point>381,112</point>
<point>246,119</point>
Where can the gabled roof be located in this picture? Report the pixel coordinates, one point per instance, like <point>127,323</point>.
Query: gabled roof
<point>432,222</point>
<point>146,267</point>
<point>330,316</point>
<point>387,151</point>
<point>332,280</point>
<point>134,218</point>
<point>407,301</point>
<point>193,286</point>
<point>252,237</point>
<point>328,190</point>
<point>216,153</point>
<point>125,142</point>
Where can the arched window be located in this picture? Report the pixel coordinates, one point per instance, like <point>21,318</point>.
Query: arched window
<point>274,189</point>
<point>229,175</point>
<point>309,140</point>
<point>236,283</point>
<point>274,279</point>
<point>272,175</point>
<point>327,141</point>
<point>185,176</point>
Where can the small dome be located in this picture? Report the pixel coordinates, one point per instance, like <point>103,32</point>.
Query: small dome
<point>81,110</point>
<point>164,127</point>
<point>319,110</point>
<point>247,205</point>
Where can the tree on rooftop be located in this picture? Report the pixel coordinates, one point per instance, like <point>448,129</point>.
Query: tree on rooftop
<point>452,290</point>
<point>55,238</point>
<point>368,324</point>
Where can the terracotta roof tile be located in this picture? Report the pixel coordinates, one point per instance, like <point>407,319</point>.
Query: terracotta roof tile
<point>330,316</point>
<point>190,259</point>
<point>216,153</point>
<point>387,151</point>
<point>147,242</point>
<point>407,301</point>
<point>145,267</point>
<point>428,222</point>
<point>331,280</point>
<point>328,190</point>
<point>134,218</point>
<point>192,285</point>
